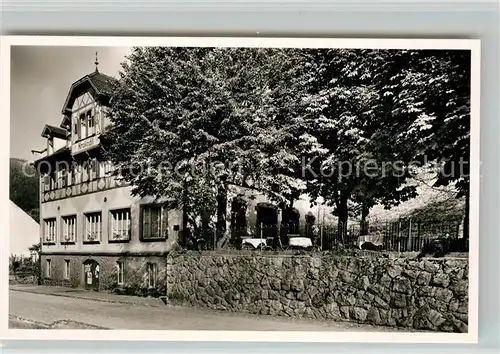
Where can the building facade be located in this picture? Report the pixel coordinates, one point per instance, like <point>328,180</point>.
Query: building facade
<point>94,234</point>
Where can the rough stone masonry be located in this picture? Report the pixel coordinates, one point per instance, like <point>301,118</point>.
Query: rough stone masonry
<point>427,294</point>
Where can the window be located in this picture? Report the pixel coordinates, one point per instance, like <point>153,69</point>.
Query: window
<point>69,228</point>
<point>102,169</point>
<point>70,175</point>
<point>85,171</point>
<point>67,269</point>
<point>119,271</point>
<point>48,268</point>
<point>91,123</point>
<point>154,222</point>
<point>46,182</point>
<point>93,169</point>
<point>62,178</point>
<point>93,227</point>
<point>50,230</point>
<point>83,127</point>
<point>77,174</point>
<point>120,225</point>
<point>108,169</point>
<point>152,273</point>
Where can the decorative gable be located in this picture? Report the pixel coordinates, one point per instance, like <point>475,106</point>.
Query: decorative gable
<point>98,86</point>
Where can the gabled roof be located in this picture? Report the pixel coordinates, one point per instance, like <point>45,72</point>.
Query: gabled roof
<point>52,131</point>
<point>101,83</point>
<point>66,122</point>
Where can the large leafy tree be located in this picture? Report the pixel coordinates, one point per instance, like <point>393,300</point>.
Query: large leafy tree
<point>359,127</point>
<point>341,124</point>
<point>188,122</point>
<point>379,112</point>
<point>446,99</point>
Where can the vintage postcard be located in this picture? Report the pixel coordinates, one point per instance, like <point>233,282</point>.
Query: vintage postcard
<point>257,189</point>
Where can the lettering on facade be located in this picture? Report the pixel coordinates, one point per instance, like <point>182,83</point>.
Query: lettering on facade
<point>85,145</point>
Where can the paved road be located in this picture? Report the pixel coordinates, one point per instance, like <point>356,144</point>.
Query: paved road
<point>48,309</point>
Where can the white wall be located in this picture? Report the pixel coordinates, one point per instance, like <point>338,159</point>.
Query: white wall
<point>24,231</point>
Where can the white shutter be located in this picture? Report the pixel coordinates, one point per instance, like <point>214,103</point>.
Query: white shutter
<point>97,119</point>
<point>88,227</point>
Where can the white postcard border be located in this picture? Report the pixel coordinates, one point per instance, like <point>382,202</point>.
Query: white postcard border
<point>252,336</point>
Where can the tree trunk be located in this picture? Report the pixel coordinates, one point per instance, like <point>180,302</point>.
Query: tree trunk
<point>364,214</point>
<point>221,230</point>
<point>342,213</point>
<point>184,237</point>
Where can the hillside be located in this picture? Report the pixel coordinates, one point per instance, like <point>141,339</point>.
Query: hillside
<point>24,187</point>
<point>432,204</point>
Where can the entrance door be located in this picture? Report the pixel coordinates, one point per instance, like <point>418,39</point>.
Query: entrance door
<point>267,220</point>
<point>91,275</point>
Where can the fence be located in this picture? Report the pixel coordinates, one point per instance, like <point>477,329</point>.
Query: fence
<point>21,267</point>
<point>399,236</point>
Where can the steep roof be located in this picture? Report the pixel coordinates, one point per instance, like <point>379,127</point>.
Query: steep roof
<point>103,85</point>
<point>53,131</point>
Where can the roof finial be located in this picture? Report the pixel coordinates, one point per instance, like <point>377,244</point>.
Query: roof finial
<point>96,63</point>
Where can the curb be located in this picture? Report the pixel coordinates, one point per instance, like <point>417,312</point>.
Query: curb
<point>92,299</point>
<point>54,324</point>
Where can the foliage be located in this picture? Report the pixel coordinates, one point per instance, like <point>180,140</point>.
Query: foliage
<point>198,119</point>
<point>188,122</point>
<point>373,111</point>
<point>24,187</point>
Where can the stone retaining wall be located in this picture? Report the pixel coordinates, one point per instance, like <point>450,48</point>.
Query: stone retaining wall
<point>23,279</point>
<point>429,294</point>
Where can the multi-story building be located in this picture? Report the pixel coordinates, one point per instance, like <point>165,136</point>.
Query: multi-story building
<point>94,233</point>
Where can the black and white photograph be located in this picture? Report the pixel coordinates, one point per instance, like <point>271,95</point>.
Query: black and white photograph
<point>319,188</point>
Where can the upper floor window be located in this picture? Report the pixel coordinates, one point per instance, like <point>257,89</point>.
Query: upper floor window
<point>90,123</point>
<point>154,222</point>
<point>62,178</point>
<point>120,225</point>
<point>50,230</point>
<point>46,182</point>
<point>93,227</point>
<point>82,133</point>
<point>69,228</point>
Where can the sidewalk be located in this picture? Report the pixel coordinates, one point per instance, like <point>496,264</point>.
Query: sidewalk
<point>87,295</point>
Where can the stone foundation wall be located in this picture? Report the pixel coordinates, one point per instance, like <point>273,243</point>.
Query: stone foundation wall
<point>135,273</point>
<point>23,279</point>
<point>428,294</point>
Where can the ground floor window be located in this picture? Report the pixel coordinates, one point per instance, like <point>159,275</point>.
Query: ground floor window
<point>93,227</point>
<point>67,269</point>
<point>48,268</point>
<point>120,225</point>
<point>119,270</point>
<point>152,274</point>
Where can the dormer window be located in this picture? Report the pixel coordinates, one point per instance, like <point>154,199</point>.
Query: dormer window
<point>83,127</point>
<point>90,123</point>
